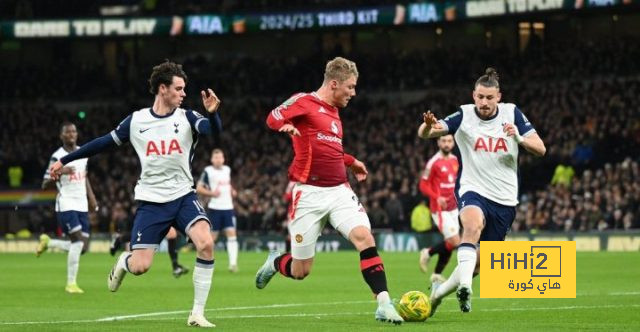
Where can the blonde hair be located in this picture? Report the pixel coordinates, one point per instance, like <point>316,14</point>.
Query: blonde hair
<point>340,69</point>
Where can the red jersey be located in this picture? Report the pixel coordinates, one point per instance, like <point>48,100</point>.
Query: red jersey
<point>439,180</point>
<point>318,156</point>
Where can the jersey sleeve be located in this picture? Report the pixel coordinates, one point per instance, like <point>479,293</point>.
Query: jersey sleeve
<point>525,127</point>
<point>284,113</point>
<point>121,134</point>
<point>204,178</point>
<point>452,122</point>
<point>348,159</point>
<point>427,171</point>
<point>52,160</point>
<point>203,125</point>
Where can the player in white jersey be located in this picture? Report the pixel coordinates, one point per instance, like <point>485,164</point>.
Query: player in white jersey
<point>488,134</point>
<point>75,198</point>
<point>164,137</point>
<point>215,185</point>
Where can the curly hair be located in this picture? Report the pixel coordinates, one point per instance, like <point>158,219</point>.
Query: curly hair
<point>163,74</point>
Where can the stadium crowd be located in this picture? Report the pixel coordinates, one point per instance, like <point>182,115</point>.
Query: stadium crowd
<point>583,107</point>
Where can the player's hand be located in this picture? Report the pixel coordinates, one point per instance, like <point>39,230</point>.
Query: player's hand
<point>55,170</point>
<point>512,131</point>
<point>216,192</point>
<point>429,119</point>
<point>289,129</point>
<point>359,170</point>
<point>210,101</point>
<point>442,202</point>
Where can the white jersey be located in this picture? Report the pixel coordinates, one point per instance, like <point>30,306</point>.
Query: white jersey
<point>72,188</point>
<point>165,146</point>
<point>218,178</point>
<point>489,158</point>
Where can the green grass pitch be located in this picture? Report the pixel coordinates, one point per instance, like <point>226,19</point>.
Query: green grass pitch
<point>333,298</point>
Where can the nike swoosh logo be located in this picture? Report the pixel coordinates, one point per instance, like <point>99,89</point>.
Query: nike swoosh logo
<point>143,130</point>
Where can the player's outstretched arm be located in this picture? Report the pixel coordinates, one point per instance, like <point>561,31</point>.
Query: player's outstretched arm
<point>430,127</point>
<point>92,148</point>
<point>49,183</point>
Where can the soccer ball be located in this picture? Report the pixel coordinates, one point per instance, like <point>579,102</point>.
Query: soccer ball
<point>414,306</point>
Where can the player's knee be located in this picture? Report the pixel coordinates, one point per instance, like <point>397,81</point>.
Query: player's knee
<point>301,274</point>
<point>300,270</point>
<point>361,238</point>
<point>139,268</point>
<point>204,244</point>
<point>472,229</point>
<point>453,242</point>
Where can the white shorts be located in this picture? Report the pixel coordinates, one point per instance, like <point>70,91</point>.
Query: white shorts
<point>447,222</point>
<point>313,206</point>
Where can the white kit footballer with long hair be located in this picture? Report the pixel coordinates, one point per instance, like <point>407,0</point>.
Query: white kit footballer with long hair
<point>489,158</point>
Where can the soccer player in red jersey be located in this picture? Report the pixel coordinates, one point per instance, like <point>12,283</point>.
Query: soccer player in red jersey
<point>438,183</point>
<point>321,192</point>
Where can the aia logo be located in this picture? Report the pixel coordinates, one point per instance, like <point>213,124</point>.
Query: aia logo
<point>490,145</point>
<point>162,148</point>
<point>334,127</point>
<point>77,176</point>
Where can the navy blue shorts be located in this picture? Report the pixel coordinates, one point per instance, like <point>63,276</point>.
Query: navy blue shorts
<point>498,218</point>
<point>221,219</point>
<point>153,220</point>
<point>73,221</point>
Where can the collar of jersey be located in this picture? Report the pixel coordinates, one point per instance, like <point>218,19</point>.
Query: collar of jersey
<point>475,110</point>
<point>331,107</point>
<point>160,116</point>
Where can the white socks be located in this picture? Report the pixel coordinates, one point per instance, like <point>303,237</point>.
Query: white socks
<point>60,244</point>
<point>467,255</point>
<point>202,274</point>
<point>232,250</point>
<point>383,298</point>
<point>448,286</point>
<point>73,260</point>
<point>122,261</point>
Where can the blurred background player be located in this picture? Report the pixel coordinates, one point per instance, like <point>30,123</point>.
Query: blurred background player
<point>438,183</point>
<point>215,184</point>
<point>75,197</point>
<point>121,224</point>
<point>322,192</point>
<point>163,136</point>
<point>488,134</point>
<point>172,249</point>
